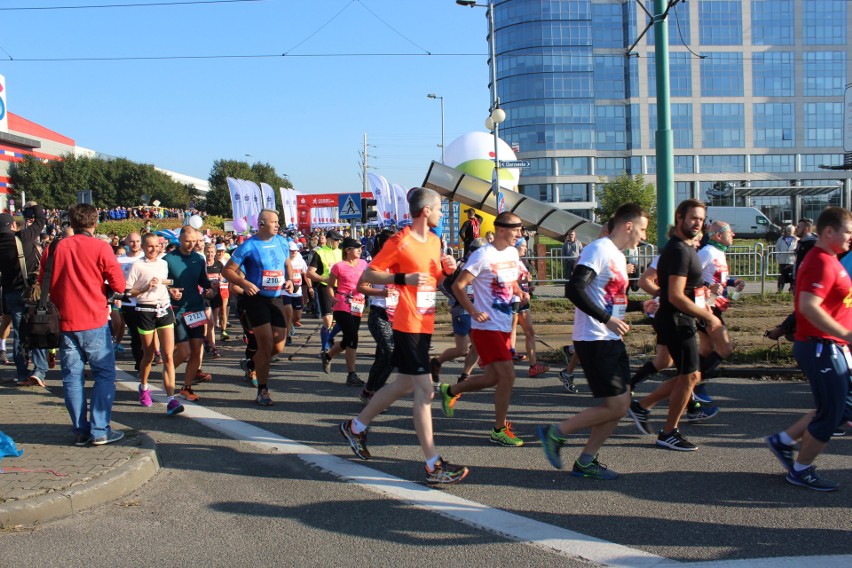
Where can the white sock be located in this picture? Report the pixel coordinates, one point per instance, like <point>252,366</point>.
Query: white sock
<point>171,398</point>
<point>799,467</point>
<point>144,387</point>
<point>2,345</point>
<point>786,439</point>
<point>357,427</point>
<point>430,463</point>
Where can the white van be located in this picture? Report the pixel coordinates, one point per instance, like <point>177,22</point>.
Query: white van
<point>746,222</point>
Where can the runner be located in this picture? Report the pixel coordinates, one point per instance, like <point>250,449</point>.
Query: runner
<point>493,272</point>
<point>327,255</point>
<point>187,272</point>
<point>133,253</point>
<point>524,315</point>
<point>264,259</point>
<point>147,286</point>
<point>411,259</point>
<point>213,303</point>
<point>293,300</point>
<point>821,348</point>
<point>222,258</point>
<point>598,289</point>
<point>348,307</point>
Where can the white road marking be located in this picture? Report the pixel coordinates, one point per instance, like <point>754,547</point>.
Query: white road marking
<point>509,525</point>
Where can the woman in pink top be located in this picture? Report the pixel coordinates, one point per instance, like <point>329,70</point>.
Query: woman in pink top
<point>348,307</point>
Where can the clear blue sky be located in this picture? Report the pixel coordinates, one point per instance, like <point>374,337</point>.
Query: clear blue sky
<point>302,113</point>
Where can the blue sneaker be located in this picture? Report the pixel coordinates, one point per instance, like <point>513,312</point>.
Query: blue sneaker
<point>594,470</point>
<point>111,436</point>
<point>808,478</point>
<point>700,413</point>
<point>782,451</point>
<point>551,443</point>
<point>173,407</point>
<point>699,393</point>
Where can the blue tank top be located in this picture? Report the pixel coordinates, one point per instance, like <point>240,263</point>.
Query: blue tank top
<point>264,263</point>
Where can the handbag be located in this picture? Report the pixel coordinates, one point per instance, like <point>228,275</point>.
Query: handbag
<point>40,328</point>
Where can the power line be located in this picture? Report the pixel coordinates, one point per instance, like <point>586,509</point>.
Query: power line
<point>250,56</point>
<point>133,5</point>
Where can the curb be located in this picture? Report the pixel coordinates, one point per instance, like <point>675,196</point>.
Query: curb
<point>124,479</point>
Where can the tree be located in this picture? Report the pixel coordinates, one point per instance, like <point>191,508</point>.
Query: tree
<point>218,199</point>
<point>628,189</point>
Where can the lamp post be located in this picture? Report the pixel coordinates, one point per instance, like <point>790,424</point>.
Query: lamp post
<point>450,205</point>
<point>496,115</point>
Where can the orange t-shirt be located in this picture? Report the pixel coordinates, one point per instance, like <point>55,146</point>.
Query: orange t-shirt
<point>415,312</point>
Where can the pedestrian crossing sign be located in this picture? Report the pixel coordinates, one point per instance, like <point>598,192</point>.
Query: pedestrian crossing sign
<point>349,206</point>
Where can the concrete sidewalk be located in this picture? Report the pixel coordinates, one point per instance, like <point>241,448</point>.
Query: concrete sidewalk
<point>54,478</point>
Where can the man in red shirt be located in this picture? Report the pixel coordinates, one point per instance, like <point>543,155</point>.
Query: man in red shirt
<point>81,265</point>
<point>821,348</point>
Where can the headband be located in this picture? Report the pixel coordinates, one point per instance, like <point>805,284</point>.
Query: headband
<point>507,225</point>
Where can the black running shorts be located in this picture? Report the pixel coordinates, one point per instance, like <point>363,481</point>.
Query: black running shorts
<point>606,366</point>
<point>261,310</point>
<point>678,333</point>
<point>411,352</point>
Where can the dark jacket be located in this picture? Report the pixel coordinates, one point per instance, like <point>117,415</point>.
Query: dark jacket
<point>9,266</point>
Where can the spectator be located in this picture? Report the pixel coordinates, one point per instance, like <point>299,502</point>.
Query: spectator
<point>785,248</point>
<point>81,266</point>
<point>570,253</point>
<point>470,229</point>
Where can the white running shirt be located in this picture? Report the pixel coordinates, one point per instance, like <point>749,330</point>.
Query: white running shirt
<point>495,273</point>
<point>608,290</point>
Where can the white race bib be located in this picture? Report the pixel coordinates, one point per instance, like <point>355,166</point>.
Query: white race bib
<point>195,319</point>
<point>506,272</point>
<point>426,300</point>
<point>272,280</point>
<point>297,278</point>
<point>701,297</point>
<point>356,304</point>
<point>392,300</point>
<point>619,306</point>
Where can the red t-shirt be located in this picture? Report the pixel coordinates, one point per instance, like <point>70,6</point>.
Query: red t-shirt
<point>822,275</point>
<point>415,312</point>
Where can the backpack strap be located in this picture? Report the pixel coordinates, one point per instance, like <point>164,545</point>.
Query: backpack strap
<point>21,259</point>
<point>48,272</point>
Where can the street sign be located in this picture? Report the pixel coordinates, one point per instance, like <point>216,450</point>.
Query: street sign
<point>349,206</point>
<point>514,164</point>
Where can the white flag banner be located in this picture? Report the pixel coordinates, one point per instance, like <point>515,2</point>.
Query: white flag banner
<point>245,197</point>
<point>256,198</point>
<point>292,209</point>
<point>402,216</point>
<point>268,196</point>
<point>236,197</point>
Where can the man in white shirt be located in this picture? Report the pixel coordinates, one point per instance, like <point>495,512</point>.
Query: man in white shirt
<point>128,304</point>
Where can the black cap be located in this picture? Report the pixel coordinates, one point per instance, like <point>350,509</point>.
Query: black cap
<point>6,222</point>
<point>350,243</point>
<point>334,235</point>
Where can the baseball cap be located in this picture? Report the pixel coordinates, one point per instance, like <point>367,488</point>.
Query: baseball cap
<point>350,243</point>
<point>293,246</point>
<point>334,235</point>
<point>6,222</point>
<point>220,246</point>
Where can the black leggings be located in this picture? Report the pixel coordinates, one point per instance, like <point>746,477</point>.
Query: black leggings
<point>382,331</point>
<point>349,325</point>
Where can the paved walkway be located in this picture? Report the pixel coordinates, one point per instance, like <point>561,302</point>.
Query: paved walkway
<point>53,478</point>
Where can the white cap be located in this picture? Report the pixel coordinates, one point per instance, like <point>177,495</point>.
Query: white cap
<point>293,246</point>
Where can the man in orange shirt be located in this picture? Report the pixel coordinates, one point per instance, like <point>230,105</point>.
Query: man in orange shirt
<point>411,260</point>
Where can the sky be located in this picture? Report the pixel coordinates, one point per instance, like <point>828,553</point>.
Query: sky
<point>304,113</point>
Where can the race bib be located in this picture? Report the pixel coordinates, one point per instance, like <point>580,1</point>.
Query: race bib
<point>506,272</point>
<point>619,306</point>
<point>392,299</point>
<point>297,278</point>
<point>701,297</point>
<point>272,280</point>
<point>356,304</point>
<point>195,319</point>
<point>426,300</point>
<point>163,310</point>
<point>213,278</point>
<point>724,277</point>
<point>469,291</point>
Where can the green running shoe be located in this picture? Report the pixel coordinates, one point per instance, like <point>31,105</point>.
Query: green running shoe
<point>448,402</point>
<point>594,470</point>
<point>505,437</point>
<point>551,443</point>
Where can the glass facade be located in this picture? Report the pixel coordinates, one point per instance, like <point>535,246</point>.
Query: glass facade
<point>769,86</point>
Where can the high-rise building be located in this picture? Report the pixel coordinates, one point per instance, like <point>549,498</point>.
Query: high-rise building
<point>757,91</point>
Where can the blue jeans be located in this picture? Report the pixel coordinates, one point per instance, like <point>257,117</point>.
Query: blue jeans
<point>13,302</point>
<point>92,346</point>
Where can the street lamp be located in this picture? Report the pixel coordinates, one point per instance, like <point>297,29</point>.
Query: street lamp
<point>496,114</point>
<point>434,96</point>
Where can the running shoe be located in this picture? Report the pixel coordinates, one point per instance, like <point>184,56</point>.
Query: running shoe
<point>568,353</point>
<point>186,392</point>
<point>207,347</point>
<point>82,440</point>
<point>3,359</point>
<point>214,353</point>
<point>594,470</point>
<point>358,442</point>
<point>568,381</point>
<point>700,413</point>
<point>225,335</point>
<point>158,359</point>
<point>365,396</point>
<point>674,440</point>
<point>110,437</point>
<point>173,407</point>
<point>538,369</point>
<point>505,437</point>
<point>119,348</point>
<point>353,380</point>
<point>838,432</point>
<point>517,357</point>
<point>551,443</point>
<point>263,398</point>
<point>326,362</point>
<point>699,393</point>
<point>145,397</point>
<point>297,324</point>
<point>639,416</point>
<point>202,377</point>
<point>445,472</point>
<point>448,402</point>
<point>435,369</point>
<point>782,451</point>
<point>289,341</point>
<point>809,478</point>
<point>253,378</point>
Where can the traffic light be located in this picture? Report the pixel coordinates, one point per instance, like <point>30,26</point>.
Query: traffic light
<point>368,211</point>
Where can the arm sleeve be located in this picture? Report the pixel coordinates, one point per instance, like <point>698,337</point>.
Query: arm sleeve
<point>578,293</point>
<point>635,305</point>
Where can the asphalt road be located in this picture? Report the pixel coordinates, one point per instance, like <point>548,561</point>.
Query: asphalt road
<point>221,502</point>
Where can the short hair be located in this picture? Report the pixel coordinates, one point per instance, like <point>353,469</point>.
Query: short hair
<point>187,230</point>
<point>807,221</point>
<point>789,230</point>
<point>627,213</point>
<point>151,236</point>
<point>82,216</point>
<point>833,217</point>
<point>420,197</point>
<point>686,205</point>
<point>262,211</point>
<point>127,238</point>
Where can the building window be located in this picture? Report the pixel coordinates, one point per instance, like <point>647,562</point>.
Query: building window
<point>774,125</point>
<point>611,167</point>
<point>680,74</point>
<point>772,74</point>
<point>572,166</point>
<point>540,191</point>
<point>573,192</point>
<point>812,162</point>
<point>681,124</point>
<point>722,125</point>
<point>722,164</point>
<point>823,124</point>
<point>683,191</point>
<point>825,73</point>
<point>678,24</point>
<point>824,22</point>
<point>773,163</point>
<point>772,22</point>
<point>610,77</point>
<point>538,167</point>
<point>720,22</point>
<point>610,127</point>
<point>608,23</point>
<point>682,164</point>
<point>722,75</point>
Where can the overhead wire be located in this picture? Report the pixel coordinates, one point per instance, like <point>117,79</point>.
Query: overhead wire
<point>131,5</point>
